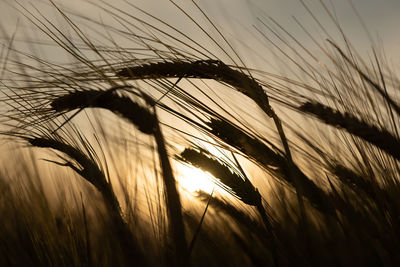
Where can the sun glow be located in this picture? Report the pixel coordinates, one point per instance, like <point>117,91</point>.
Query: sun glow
<point>192,179</point>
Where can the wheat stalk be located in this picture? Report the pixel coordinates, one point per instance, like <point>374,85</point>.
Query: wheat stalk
<point>147,123</point>
<point>174,206</point>
<point>87,168</point>
<point>90,171</point>
<point>271,161</point>
<point>217,70</point>
<point>201,69</point>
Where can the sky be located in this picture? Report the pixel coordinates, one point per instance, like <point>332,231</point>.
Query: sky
<point>380,16</point>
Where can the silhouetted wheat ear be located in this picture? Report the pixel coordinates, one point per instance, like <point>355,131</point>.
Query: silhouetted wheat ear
<point>143,119</point>
<point>231,181</point>
<point>273,162</point>
<point>370,133</point>
<point>89,170</point>
<point>147,123</point>
<point>201,69</point>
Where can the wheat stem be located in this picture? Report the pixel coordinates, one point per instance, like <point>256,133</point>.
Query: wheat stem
<point>174,207</point>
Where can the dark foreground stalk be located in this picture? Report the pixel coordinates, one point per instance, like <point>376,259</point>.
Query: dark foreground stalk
<point>174,207</point>
<point>291,167</point>
<point>147,123</point>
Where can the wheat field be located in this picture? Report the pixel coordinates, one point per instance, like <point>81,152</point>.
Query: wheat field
<point>129,140</point>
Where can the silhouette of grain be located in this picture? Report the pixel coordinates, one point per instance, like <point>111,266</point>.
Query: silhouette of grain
<point>370,133</point>
<point>236,185</point>
<point>110,100</point>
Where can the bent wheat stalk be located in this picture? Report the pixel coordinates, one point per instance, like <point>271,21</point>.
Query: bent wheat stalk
<point>219,71</point>
<point>201,69</point>
<point>147,123</point>
<point>272,161</point>
<point>90,171</point>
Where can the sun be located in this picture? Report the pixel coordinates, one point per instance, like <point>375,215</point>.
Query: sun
<point>193,179</point>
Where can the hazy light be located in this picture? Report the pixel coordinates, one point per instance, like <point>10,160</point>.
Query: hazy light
<point>192,179</point>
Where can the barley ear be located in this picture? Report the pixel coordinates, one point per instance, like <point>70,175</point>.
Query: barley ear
<point>91,172</point>
<point>110,100</point>
<point>381,138</point>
